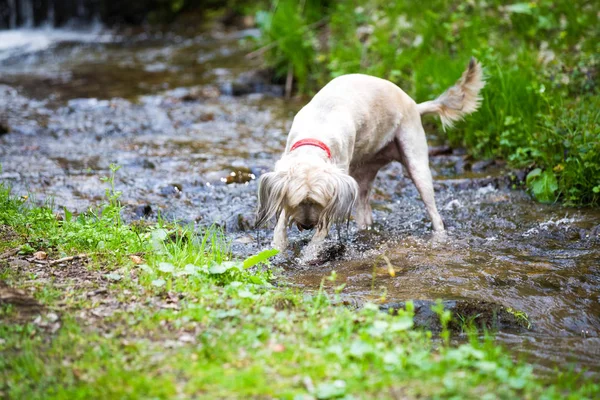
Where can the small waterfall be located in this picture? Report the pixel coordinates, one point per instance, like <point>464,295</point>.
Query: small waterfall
<point>50,13</point>
<point>51,18</point>
<point>12,9</point>
<point>81,8</point>
<point>27,13</point>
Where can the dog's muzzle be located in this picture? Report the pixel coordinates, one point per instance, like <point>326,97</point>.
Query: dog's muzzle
<point>303,227</point>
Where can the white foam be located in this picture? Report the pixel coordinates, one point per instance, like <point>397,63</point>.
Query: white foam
<point>16,42</point>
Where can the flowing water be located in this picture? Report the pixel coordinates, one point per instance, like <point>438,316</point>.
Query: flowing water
<point>192,126</point>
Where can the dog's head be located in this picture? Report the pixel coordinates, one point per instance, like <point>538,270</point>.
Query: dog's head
<point>313,193</point>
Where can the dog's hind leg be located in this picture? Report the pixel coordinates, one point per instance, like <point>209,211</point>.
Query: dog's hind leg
<point>364,175</point>
<point>412,146</point>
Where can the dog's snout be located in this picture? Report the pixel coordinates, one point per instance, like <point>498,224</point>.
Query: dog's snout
<point>303,227</point>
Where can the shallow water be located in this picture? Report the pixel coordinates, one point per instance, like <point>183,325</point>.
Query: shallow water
<point>158,106</point>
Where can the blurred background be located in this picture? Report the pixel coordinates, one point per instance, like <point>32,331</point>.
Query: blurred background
<point>541,103</point>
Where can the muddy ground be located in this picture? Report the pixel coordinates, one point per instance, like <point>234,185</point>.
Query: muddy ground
<point>192,125</point>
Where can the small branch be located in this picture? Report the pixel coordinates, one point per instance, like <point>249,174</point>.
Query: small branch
<point>289,81</point>
<point>262,50</point>
<point>70,258</point>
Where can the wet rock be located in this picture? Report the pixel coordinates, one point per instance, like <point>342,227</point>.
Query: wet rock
<point>461,165</point>
<point>330,253</point>
<point>239,175</point>
<point>88,104</point>
<point>480,166</point>
<point>143,211</point>
<point>195,93</point>
<point>4,128</point>
<point>173,189</point>
<point>439,150</point>
<point>147,164</point>
<point>251,82</point>
<point>480,314</point>
<point>207,117</point>
<point>243,224</point>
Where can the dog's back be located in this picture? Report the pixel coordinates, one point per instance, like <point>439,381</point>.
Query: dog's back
<point>365,107</point>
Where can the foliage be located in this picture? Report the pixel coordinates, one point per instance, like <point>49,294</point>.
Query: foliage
<point>540,107</point>
<point>289,30</point>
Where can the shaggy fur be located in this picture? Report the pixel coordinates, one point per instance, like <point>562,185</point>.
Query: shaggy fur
<point>366,122</point>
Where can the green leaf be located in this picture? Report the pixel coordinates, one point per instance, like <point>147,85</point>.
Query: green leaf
<point>330,390</point>
<point>543,185</point>
<point>224,266</point>
<point>166,267</point>
<point>246,294</point>
<point>260,257</point>
<point>402,324</point>
<point>359,349</point>
<point>68,214</point>
<point>159,282</point>
<point>519,8</point>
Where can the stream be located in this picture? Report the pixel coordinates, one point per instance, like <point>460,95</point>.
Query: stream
<point>192,123</point>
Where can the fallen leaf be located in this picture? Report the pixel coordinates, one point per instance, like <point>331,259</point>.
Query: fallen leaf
<point>277,347</point>
<point>136,259</point>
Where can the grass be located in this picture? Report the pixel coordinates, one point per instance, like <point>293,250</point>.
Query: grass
<point>540,110</point>
<point>189,321</point>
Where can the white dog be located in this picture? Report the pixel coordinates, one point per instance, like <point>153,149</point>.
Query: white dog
<point>354,126</point>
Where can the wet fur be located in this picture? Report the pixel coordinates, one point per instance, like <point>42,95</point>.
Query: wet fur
<point>366,122</point>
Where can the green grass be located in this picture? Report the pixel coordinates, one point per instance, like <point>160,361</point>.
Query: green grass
<point>192,322</point>
<point>540,108</point>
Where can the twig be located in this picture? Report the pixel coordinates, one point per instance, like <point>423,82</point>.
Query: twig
<point>9,253</point>
<point>262,50</point>
<point>289,81</point>
<point>70,258</point>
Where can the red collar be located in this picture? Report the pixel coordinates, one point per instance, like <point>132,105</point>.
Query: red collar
<point>311,142</point>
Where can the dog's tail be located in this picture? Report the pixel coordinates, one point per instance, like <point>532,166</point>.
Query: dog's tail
<point>461,99</point>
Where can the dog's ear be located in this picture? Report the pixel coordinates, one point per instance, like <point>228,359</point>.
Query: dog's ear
<point>342,196</point>
<point>271,192</point>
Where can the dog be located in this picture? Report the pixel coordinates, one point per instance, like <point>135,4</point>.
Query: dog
<point>354,126</point>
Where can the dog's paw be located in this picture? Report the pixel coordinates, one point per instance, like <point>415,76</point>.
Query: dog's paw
<point>440,238</point>
<point>278,245</point>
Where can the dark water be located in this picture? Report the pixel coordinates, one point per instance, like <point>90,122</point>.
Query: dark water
<point>160,106</point>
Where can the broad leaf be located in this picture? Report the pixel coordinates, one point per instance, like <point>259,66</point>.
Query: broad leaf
<point>543,185</point>
<point>260,257</point>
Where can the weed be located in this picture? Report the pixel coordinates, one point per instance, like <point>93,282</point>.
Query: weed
<point>521,316</point>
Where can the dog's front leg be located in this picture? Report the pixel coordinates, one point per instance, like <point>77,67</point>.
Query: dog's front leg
<point>280,240</point>
<point>312,250</point>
